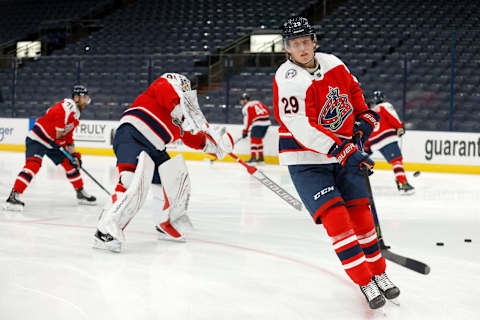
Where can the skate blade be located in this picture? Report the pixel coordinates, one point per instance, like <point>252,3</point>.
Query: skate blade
<point>394,301</point>
<point>113,246</point>
<point>407,193</point>
<point>13,207</point>
<point>87,203</point>
<point>166,237</point>
<point>163,235</point>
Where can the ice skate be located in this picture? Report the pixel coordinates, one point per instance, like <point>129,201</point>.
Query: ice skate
<point>373,295</point>
<point>260,160</point>
<point>84,198</point>
<point>105,241</point>
<point>252,159</point>
<point>405,188</point>
<point>168,232</point>
<point>387,288</point>
<point>13,203</point>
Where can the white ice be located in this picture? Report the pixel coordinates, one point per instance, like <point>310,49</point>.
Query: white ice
<point>250,257</point>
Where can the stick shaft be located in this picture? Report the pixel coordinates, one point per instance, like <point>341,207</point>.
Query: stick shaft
<point>269,183</point>
<point>69,156</point>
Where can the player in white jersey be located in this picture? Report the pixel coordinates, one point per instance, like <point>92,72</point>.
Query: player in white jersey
<point>256,120</point>
<point>385,140</point>
<point>317,101</point>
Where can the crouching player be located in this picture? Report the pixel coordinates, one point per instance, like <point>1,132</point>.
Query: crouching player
<point>50,133</point>
<point>168,110</point>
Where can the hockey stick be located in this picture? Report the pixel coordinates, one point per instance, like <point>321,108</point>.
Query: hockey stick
<point>266,181</point>
<point>406,262</point>
<point>69,156</point>
<point>238,139</point>
<point>269,183</point>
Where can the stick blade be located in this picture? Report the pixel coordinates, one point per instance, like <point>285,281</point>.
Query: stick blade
<point>408,263</point>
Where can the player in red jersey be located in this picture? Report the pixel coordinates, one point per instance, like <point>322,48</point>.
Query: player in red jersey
<point>167,111</point>
<point>320,107</point>
<point>49,133</point>
<point>256,119</point>
<point>385,140</point>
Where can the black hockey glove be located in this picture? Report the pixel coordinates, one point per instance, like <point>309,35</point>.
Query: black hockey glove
<point>364,125</point>
<point>348,155</point>
<point>400,132</point>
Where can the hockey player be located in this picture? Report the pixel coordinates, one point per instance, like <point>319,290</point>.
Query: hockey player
<point>49,133</point>
<point>316,101</point>
<point>167,111</point>
<point>256,119</point>
<point>385,139</point>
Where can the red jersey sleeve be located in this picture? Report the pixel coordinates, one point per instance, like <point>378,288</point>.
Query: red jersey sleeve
<point>195,141</point>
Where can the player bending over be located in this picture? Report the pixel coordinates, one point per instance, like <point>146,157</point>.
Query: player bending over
<point>316,101</point>
<point>385,139</point>
<point>168,110</point>
<point>49,133</point>
<point>256,119</point>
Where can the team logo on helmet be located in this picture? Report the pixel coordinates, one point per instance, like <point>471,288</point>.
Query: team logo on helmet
<point>335,110</point>
<point>290,73</point>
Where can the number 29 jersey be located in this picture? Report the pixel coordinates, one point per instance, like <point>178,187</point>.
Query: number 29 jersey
<point>315,110</point>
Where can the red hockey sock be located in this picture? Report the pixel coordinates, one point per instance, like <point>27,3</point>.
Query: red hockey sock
<point>398,169</point>
<point>337,222</point>
<point>256,145</point>
<point>73,174</point>
<point>260,147</point>
<point>364,227</point>
<point>31,168</point>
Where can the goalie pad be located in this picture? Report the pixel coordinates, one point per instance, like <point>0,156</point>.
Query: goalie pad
<point>176,189</point>
<point>116,218</point>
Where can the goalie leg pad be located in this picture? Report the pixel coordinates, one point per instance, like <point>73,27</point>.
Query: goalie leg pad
<point>176,189</point>
<point>116,218</point>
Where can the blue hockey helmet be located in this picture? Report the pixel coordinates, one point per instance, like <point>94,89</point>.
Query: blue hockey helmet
<point>296,27</point>
<point>79,90</point>
<point>378,97</point>
<point>245,96</point>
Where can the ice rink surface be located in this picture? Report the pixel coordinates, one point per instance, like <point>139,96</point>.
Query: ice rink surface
<point>250,257</point>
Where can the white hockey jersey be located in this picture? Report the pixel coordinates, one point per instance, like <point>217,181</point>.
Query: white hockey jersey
<point>315,111</point>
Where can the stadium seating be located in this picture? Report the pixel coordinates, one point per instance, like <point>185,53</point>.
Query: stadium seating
<point>139,42</point>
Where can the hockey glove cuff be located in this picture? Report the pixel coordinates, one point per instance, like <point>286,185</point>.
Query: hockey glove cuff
<point>365,124</point>
<point>348,155</point>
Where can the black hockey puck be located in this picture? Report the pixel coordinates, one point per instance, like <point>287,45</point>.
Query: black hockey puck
<point>440,244</point>
<point>416,173</point>
<point>468,240</point>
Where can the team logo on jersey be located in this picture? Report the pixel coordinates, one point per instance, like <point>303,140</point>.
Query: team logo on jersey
<point>335,110</point>
<point>290,73</point>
